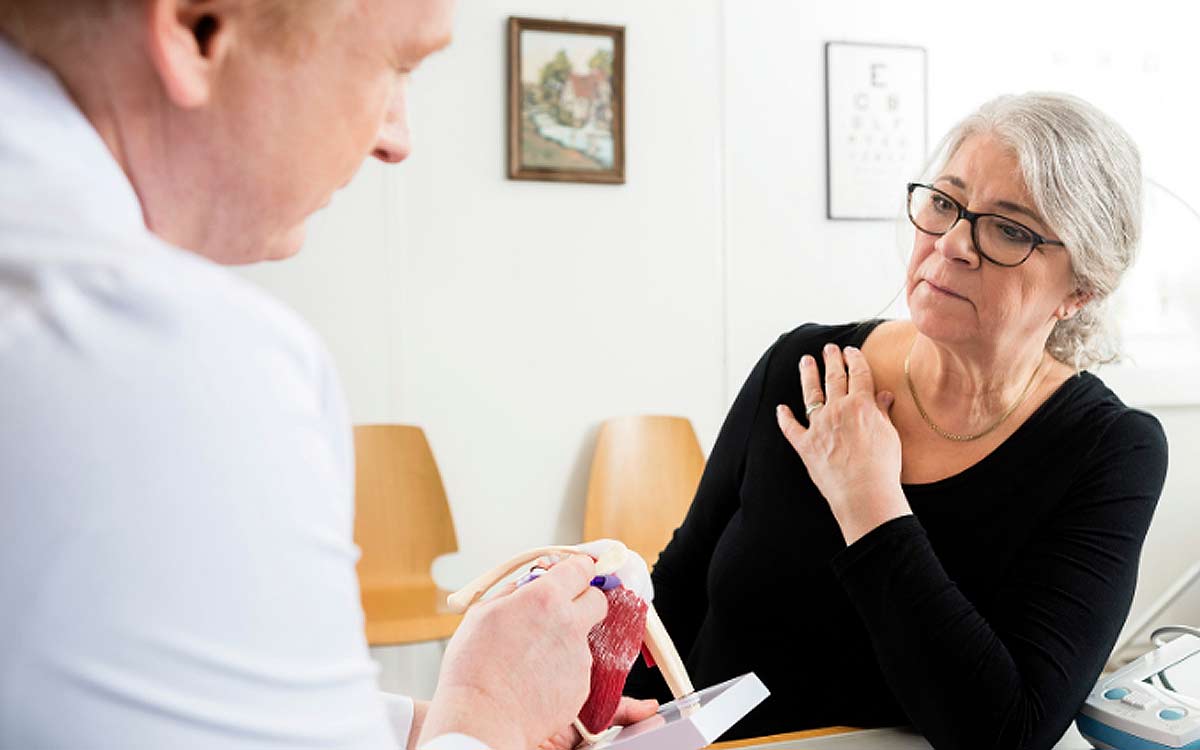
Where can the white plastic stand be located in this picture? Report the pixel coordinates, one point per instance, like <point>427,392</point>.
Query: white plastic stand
<point>692,722</point>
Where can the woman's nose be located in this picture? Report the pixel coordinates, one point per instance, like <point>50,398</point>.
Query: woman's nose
<point>957,245</point>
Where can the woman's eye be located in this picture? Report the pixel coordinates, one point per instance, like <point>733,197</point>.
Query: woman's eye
<point>942,204</point>
<point>1015,233</point>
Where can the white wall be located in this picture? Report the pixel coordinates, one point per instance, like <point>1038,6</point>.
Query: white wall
<point>510,318</point>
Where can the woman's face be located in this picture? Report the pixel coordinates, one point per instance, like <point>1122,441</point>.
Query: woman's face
<point>958,298</point>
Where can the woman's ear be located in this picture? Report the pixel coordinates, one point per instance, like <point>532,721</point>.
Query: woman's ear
<point>188,41</point>
<point>1072,304</point>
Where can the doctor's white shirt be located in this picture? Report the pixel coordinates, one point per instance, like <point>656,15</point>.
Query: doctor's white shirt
<point>176,479</point>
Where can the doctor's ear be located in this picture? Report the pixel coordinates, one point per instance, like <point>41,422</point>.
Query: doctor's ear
<point>188,41</point>
<point>1073,303</point>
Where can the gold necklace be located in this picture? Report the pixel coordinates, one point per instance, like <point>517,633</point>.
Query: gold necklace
<point>953,435</point>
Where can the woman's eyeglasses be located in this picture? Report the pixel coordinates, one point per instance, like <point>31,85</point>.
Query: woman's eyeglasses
<point>997,238</point>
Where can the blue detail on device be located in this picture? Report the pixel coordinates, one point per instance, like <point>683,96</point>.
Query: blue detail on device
<point>1114,738</point>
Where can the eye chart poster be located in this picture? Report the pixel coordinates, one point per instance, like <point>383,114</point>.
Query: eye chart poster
<point>875,127</point>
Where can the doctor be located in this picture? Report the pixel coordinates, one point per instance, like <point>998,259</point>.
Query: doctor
<point>176,469</point>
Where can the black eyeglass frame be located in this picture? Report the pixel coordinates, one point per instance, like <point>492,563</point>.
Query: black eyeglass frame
<point>971,217</point>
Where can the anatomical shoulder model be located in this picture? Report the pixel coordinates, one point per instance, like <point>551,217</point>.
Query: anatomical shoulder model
<point>631,626</point>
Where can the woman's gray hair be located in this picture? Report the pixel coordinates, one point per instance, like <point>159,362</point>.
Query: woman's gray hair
<point>1084,173</point>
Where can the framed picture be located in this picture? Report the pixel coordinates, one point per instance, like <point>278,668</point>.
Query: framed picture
<point>566,101</point>
<point>875,127</point>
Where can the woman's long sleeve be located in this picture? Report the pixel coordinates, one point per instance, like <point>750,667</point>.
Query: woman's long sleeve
<point>1015,678</point>
<point>680,575</point>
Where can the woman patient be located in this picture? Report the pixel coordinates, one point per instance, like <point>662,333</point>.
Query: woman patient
<point>937,521</point>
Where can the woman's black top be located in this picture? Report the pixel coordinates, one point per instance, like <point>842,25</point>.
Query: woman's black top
<point>983,619</point>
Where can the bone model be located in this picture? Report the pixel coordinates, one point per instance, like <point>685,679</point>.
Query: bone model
<point>631,624</point>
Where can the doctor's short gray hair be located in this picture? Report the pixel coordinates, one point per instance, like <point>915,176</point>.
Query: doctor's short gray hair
<point>38,24</point>
<point>1084,173</point>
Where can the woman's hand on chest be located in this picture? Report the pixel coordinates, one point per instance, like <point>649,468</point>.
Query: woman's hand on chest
<point>850,447</point>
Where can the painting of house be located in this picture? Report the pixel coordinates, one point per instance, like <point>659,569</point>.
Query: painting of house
<point>564,101</point>
<point>588,99</point>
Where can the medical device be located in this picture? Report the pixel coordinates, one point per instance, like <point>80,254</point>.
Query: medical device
<point>1129,710</point>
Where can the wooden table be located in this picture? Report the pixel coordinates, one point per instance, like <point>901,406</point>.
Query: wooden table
<point>806,735</point>
<point>894,738</point>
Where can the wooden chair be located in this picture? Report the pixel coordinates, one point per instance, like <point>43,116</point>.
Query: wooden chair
<point>402,524</point>
<point>644,475</point>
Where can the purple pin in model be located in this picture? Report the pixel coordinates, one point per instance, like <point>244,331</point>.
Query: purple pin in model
<point>606,583</point>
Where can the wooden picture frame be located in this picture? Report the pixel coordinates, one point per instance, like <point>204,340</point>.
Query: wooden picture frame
<point>566,101</point>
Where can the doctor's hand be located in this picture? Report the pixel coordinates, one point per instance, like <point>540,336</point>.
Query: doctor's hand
<point>850,448</point>
<point>518,669</point>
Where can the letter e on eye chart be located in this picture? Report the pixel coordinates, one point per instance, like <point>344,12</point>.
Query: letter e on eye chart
<point>875,127</point>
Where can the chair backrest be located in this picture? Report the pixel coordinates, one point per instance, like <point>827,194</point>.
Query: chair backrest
<point>644,475</point>
<point>402,520</point>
